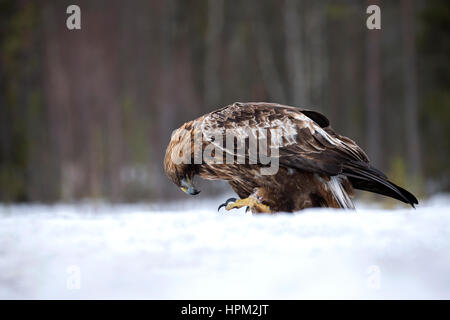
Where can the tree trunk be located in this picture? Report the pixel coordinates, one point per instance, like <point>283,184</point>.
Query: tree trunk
<point>294,57</point>
<point>266,62</point>
<point>213,52</point>
<point>373,93</point>
<point>410,87</point>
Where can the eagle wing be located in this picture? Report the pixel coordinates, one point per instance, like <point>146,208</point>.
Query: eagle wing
<point>303,137</point>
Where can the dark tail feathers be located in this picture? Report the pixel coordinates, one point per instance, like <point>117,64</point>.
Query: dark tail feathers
<point>364,177</point>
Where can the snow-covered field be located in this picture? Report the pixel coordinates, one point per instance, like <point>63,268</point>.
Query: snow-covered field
<point>189,250</point>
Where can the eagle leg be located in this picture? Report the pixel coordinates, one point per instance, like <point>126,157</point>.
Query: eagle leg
<point>249,202</point>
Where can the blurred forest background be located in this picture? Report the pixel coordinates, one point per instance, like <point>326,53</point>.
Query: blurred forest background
<point>87,114</point>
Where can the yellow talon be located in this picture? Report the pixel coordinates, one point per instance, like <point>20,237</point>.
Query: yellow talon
<point>249,202</point>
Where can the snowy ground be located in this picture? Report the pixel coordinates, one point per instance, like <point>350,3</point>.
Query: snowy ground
<point>188,250</point>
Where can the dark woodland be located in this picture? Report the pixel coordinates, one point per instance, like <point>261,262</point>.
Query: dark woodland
<point>87,114</point>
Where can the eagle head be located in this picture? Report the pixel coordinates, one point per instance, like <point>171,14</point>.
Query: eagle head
<point>178,161</point>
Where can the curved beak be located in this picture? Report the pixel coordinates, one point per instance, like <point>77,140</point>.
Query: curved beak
<point>188,187</point>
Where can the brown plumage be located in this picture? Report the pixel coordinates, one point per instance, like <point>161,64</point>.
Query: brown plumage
<point>317,167</point>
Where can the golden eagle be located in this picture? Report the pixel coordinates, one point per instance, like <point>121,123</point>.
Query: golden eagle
<point>315,167</point>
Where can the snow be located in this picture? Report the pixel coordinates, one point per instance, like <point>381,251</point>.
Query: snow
<point>187,250</point>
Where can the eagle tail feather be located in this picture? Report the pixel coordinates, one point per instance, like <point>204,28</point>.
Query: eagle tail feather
<point>339,193</point>
<point>373,180</point>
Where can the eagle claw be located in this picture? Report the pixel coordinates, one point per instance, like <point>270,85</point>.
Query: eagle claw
<point>250,203</point>
<point>226,203</point>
